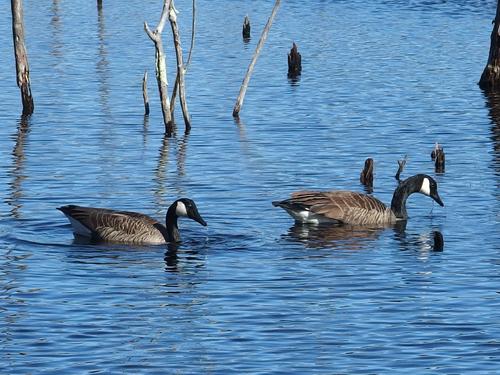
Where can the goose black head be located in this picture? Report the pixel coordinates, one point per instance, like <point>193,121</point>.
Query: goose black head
<point>185,207</point>
<point>429,187</point>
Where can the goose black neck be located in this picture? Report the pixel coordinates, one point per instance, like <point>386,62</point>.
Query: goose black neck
<point>403,191</point>
<point>171,224</point>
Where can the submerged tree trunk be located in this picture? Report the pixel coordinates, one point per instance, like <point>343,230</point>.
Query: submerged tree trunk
<point>22,66</point>
<point>161,66</point>
<point>490,79</point>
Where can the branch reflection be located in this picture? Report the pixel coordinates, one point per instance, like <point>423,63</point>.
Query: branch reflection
<point>57,46</point>
<point>161,171</point>
<point>18,177</point>
<point>102,65</point>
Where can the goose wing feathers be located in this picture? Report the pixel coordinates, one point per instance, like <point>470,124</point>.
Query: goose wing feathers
<point>346,207</point>
<point>118,226</point>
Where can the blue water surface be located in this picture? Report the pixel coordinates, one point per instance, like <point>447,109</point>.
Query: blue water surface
<point>252,292</point>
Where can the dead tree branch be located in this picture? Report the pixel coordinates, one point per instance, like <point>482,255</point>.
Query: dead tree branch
<point>186,65</point>
<point>401,166</point>
<point>263,37</point>
<point>180,66</point>
<point>161,65</point>
<point>22,66</point>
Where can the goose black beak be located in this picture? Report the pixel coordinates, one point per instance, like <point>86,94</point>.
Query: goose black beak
<point>197,217</point>
<point>438,200</point>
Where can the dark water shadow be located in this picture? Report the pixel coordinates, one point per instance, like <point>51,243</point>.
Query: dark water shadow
<point>493,105</point>
<point>17,171</point>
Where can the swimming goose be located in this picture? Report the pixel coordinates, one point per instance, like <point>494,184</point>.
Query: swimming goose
<point>101,224</point>
<point>348,207</point>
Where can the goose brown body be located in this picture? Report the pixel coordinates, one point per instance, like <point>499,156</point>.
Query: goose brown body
<point>102,224</point>
<point>341,207</point>
<point>353,208</point>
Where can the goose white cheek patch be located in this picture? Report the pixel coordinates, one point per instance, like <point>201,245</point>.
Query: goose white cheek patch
<point>181,210</point>
<point>426,187</point>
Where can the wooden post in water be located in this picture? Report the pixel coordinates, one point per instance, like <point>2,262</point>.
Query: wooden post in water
<point>145,92</point>
<point>490,79</point>
<point>438,156</point>
<point>366,176</point>
<point>22,66</point>
<point>246,28</point>
<point>161,66</point>
<point>294,62</point>
<point>263,37</point>
<point>180,66</point>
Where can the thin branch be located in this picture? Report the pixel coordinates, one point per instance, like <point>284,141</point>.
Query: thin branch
<point>164,16</point>
<point>193,28</point>
<point>263,37</point>
<point>180,66</point>
<point>186,65</point>
<point>401,166</point>
<point>145,92</point>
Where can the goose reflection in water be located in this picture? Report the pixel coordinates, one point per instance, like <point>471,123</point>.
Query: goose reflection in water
<point>333,236</point>
<point>183,260</point>
<point>348,237</point>
<point>423,243</point>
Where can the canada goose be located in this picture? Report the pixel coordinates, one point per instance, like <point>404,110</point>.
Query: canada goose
<point>101,224</point>
<point>348,207</point>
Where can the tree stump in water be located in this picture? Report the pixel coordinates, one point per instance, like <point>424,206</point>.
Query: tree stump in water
<point>246,28</point>
<point>490,79</point>
<point>366,176</point>
<point>294,62</point>
<point>438,156</point>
